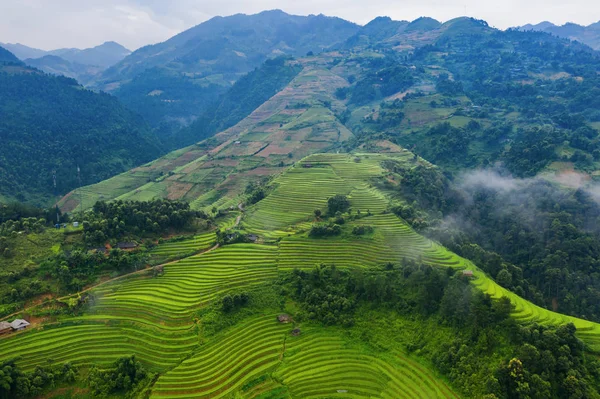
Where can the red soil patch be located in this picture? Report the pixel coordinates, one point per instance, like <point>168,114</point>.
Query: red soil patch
<point>275,149</point>
<point>187,158</point>
<point>69,202</point>
<point>177,190</point>
<point>262,171</point>
<point>75,392</point>
<point>571,178</point>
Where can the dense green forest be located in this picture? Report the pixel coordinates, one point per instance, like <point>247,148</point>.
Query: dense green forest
<point>534,237</point>
<point>49,125</point>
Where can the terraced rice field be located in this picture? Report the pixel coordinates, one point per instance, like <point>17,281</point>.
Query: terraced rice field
<point>151,317</point>
<point>321,364</point>
<point>227,362</point>
<point>100,341</point>
<point>185,247</point>
<point>315,365</point>
<point>154,317</point>
<point>299,192</point>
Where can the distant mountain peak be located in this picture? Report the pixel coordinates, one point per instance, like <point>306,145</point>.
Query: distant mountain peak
<point>589,35</point>
<point>6,56</point>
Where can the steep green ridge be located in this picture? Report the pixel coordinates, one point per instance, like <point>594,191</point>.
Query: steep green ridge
<point>297,121</point>
<point>247,94</point>
<point>53,124</point>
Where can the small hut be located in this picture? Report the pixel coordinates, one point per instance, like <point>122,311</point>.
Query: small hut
<point>284,318</point>
<point>467,273</point>
<point>5,327</point>
<point>296,332</point>
<point>19,324</point>
<point>126,245</point>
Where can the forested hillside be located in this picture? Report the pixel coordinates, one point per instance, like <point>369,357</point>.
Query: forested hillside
<point>51,126</point>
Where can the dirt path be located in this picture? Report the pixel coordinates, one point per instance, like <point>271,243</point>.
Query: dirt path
<point>239,218</point>
<point>109,281</point>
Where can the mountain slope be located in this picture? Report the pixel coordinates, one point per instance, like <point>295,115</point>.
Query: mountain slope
<point>56,65</point>
<point>8,57</point>
<point>52,124</point>
<point>204,61</point>
<point>22,52</point>
<point>297,121</point>
<point>103,55</point>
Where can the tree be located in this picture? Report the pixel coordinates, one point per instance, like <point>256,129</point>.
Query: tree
<point>337,203</point>
<point>504,278</point>
<point>317,213</point>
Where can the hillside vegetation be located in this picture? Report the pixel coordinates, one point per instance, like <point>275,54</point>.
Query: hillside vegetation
<point>357,319</point>
<point>51,126</point>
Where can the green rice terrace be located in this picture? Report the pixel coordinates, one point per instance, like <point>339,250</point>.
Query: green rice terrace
<point>174,325</point>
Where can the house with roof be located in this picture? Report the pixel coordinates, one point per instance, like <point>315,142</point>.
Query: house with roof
<point>126,245</point>
<point>5,327</point>
<point>19,324</point>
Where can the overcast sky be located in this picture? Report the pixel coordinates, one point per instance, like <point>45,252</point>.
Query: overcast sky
<point>50,24</point>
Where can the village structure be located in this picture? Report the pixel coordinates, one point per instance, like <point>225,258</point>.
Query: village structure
<point>15,325</point>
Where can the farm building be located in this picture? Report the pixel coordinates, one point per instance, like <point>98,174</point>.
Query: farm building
<point>5,327</point>
<point>284,318</point>
<point>126,245</point>
<point>467,273</point>
<point>253,237</point>
<point>19,324</point>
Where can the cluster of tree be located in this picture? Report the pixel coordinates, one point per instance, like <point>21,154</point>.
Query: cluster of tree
<point>541,242</point>
<point>15,383</point>
<point>18,210</point>
<point>120,219</point>
<point>544,362</point>
<point>534,362</point>
<point>230,302</point>
<point>51,124</point>
<point>325,230</point>
<point>383,78</point>
<point>25,225</point>
<point>337,203</point>
<point>75,269</point>
<point>123,378</point>
<point>255,192</point>
<point>362,230</point>
<point>390,115</point>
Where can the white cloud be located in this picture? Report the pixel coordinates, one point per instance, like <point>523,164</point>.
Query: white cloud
<point>75,23</point>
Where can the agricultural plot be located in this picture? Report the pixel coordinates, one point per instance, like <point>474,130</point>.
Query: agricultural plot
<point>228,362</point>
<point>154,317</point>
<point>149,317</point>
<point>99,341</point>
<point>299,192</point>
<point>319,363</point>
<point>184,247</point>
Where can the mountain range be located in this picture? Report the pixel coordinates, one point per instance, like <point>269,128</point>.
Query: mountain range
<point>81,64</point>
<point>401,209</point>
<point>589,35</point>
